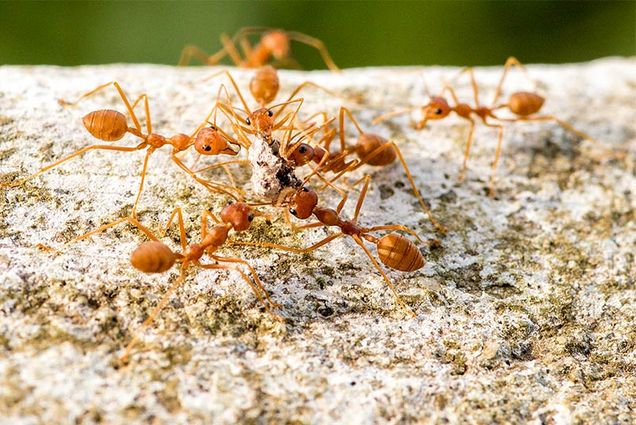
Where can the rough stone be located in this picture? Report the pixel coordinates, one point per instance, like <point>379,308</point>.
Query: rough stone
<point>525,312</point>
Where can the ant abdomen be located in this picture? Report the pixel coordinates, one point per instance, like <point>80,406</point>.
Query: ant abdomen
<point>399,253</point>
<point>367,143</point>
<point>525,103</point>
<point>153,257</point>
<point>106,124</point>
<point>264,85</point>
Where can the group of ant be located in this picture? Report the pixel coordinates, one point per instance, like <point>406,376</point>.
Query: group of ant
<point>279,145</point>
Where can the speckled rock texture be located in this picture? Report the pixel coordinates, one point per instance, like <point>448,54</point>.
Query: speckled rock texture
<point>526,312</point>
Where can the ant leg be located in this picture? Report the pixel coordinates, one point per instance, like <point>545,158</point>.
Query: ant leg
<point>246,278</point>
<point>71,156</point>
<point>562,123</point>
<point>155,311</point>
<point>312,84</point>
<point>493,176</point>
<point>234,84</point>
<point>363,193</point>
<point>452,92</point>
<point>204,222</point>
<point>353,165</point>
<point>182,234</point>
<point>396,227</point>
<point>326,140</point>
<point>438,226</point>
<point>318,45</point>
<point>210,167</point>
<point>613,153</point>
<point>510,62</point>
<point>191,51</point>
<point>388,115</point>
<point>211,186</point>
<point>230,49</point>
<point>257,280</point>
<point>386,278</point>
<point>212,111</point>
<point>144,169</point>
<point>289,248</point>
<point>100,229</point>
<point>123,96</point>
<point>343,111</point>
<point>469,142</point>
<point>245,44</point>
<point>473,82</point>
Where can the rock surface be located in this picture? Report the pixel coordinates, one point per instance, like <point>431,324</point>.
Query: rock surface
<point>525,313</point>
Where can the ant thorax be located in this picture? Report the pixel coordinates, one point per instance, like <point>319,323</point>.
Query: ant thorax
<point>270,172</point>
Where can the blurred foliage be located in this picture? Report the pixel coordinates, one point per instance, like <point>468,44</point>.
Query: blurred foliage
<point>356,33</point>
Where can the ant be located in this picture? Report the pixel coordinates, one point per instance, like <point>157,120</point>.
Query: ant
<point>264,87</point>
<point>394,250</point>
<point>110,125</point>
<point>156,257</point>
<point>522,104</point>
<point>273,43</point>
<point>370,149</point>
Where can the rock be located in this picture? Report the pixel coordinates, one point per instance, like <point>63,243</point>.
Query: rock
<point>525,313</point>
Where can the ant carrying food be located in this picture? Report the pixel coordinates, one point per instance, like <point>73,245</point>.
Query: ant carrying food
<point>394,250</point>
<point>156,257</point>
<point>273,43</point>
<point>522,104</point>
<point>370,149</point>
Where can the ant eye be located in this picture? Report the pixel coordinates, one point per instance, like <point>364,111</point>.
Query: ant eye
<point>305,189</point>
<point>270,113</point>
<point>247,121</point>
<point>207,148</point>
<point>229,203</point>
<point>212,127</point>
<point>302,149</point>
<point>438,111</point>
<point>250,217</point>
<point>293,212</point>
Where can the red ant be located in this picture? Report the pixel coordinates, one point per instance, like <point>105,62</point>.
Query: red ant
<point>156,257</point>
<point>264,87</point>
<point>524,105</point>
<point>274,43</point>
<point>394,250</point>
<point>109,125</point>
<point>370,149</point>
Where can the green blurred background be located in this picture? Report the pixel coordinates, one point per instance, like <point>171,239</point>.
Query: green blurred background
<point>356,33</point>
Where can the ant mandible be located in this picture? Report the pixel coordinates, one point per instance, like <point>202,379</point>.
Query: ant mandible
<point>523,105</point>
<point>156,257</point>
<point>274,43</point>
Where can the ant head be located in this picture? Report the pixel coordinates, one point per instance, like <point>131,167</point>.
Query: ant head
<point>302,154</point>
<point>303,203</point>
<point>239,215</point>
<point>264,85</point>
<point>209,141</point>
<point>437,108</point>
<point>276,42</point>
<point>261,121</point>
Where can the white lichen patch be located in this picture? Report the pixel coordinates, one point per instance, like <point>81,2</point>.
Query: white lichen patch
<point>525,313</point>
